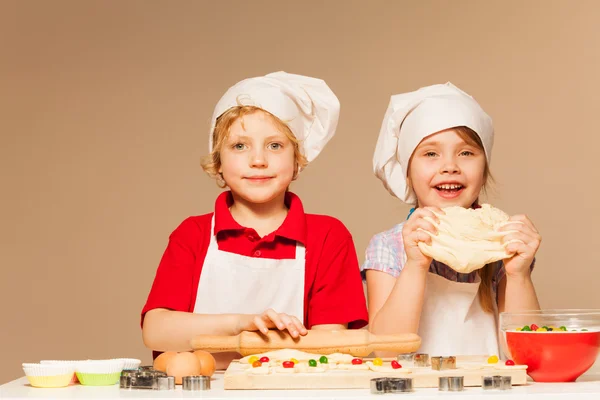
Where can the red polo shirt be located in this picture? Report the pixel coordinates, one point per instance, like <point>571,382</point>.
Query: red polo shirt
<point>333,291</point>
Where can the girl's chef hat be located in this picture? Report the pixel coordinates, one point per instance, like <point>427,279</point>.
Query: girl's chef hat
<point>305,104</point>
<point>413,116</point>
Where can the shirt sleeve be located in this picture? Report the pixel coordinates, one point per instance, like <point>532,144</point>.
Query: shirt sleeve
<point>173,282</point>
<point>338,295</point>
<point>501,273</point>
<point>385,253</point>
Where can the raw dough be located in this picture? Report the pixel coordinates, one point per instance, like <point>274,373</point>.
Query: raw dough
<point>352,366</point>
<point>258,370</point>
<point>387,369</point>
<point>284,355</point>
<point>278,356</point>
<point>468,239</point>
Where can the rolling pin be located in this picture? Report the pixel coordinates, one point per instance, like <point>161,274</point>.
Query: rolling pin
<point>357,342</point>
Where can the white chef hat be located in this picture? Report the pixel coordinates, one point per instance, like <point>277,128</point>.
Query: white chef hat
<point>413,116</point>
<point>307,105</point>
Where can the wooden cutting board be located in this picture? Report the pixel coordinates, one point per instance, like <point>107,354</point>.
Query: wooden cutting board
<point>358,342</point>
<point>237,379</point>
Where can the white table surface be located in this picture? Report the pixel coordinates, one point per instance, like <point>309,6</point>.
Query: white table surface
<point>587,387</point>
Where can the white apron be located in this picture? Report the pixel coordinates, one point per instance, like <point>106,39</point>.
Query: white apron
<point>235,284</point>
<point>452,321</point>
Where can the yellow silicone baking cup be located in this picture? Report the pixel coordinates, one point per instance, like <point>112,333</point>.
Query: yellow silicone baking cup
<point>54,381</point>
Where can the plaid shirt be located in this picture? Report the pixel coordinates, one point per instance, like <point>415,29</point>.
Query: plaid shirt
<point>386,253</point>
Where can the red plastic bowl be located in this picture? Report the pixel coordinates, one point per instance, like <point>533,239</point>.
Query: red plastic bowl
<point>554,356</point>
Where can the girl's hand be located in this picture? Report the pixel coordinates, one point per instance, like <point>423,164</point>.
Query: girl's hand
<point>413,233</point>
<point>526,242</point>
<point>271,319</point>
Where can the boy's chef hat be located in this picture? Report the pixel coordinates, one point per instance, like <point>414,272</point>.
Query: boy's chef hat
<point>413,116</point>
<point>307,105</point>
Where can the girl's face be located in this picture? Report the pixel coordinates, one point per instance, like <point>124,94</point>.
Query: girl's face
<point>446,171</point>
<point>257,160</point>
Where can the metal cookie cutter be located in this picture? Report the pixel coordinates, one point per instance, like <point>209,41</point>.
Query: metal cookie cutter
<point>379,385</point>
<point>456,383</point>
<point>443,383</point>
<point>487,383</point>
<point>400,385</point>
<point>421,360</point>
<point>505,383</point>
<point>496,382</point>
<point>406,360</point>
<point>166,383</point>
<point>195,383</point>
<point>391,385</point>
<point>497,379</point>
<point>442,363</point>
<point>451,383</point>
<point>146,379</point>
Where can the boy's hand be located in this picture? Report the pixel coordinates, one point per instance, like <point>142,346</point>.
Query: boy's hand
<point>271,319</point>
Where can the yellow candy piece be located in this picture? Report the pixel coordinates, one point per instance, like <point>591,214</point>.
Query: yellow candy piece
<point>294,360</point>
<point>493,360</point>
<point>519,329</point>
<point>378,361</point>
<point>252,359</point>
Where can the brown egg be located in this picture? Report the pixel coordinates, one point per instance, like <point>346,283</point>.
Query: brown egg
<point>207,362</point>
<point>161,362</point>
<point>183,364</point>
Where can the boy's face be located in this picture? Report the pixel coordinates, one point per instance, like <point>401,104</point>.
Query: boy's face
<point>257,160</point>
<point>447,171</point>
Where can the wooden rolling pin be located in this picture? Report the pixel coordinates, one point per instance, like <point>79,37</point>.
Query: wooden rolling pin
<point>357,342</point>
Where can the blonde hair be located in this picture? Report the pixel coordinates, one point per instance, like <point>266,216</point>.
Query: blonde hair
<point>487,272</point>
<point>211,164</point>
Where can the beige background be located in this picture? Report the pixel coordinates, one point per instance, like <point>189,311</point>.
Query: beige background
<point>104,113</point>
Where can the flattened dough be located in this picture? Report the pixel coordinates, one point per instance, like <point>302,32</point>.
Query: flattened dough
<point>468,239</point>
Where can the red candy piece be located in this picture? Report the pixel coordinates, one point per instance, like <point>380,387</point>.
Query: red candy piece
<point>396,365</point>
<point>510,362</point>
<point>534,327</point>
<point>288,364</point>
<point>264,359</point>
<point>357,361</point>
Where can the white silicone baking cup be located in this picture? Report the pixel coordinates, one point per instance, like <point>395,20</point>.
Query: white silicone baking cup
<point>65,362</point>
<point>130,363</point>
<point>72,362</point>
<point>35,369</point>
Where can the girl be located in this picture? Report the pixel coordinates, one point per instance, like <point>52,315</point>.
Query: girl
<point>259,261</point>
<point>433,151</point>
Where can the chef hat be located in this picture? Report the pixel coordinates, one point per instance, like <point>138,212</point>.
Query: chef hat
<point>413,116</point>
<point>307,105</point>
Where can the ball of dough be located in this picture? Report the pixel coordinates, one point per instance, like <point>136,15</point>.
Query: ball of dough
<point>468,239</point>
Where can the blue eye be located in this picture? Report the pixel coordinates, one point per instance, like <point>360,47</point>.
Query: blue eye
<point>466,153</point>
<point>275,146</point>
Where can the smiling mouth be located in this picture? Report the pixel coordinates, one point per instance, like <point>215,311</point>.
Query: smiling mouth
<point>449,188</point>
<point>258,178</point>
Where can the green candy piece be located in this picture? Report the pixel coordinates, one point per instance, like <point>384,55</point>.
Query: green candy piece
<point>526,329</point>
<point>545,327</point>
<point>323,360</point>
<point>563,328</point>
<point>312,363</point>
<point>584,330</point>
